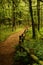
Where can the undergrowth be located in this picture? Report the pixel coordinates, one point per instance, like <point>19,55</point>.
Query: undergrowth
<point>22,57</point>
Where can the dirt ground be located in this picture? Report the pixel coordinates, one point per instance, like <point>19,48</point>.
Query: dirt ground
<point>7,48</point>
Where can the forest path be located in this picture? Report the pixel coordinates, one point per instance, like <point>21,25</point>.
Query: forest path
<point>7,48</point>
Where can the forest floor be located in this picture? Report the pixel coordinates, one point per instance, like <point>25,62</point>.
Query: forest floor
<point>7,48</point>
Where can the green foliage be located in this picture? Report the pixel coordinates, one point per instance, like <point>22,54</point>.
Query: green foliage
<point>21,57</point>
<point>38,51</point>
<point>6,10</point>
<point>35,44</point>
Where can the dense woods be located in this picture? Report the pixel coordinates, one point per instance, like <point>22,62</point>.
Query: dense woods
<point>16,15</point>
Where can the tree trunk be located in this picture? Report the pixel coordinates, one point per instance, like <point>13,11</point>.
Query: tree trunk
<point>31,13</point>
<point>38,13</point>
<point>13,16</point>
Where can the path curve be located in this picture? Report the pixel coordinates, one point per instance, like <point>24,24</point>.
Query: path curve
<point>7,48</point>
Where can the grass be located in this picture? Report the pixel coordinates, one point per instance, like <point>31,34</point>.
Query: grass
<point>6,31</point>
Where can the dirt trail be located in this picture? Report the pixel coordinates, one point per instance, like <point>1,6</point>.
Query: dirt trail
<point>7,48</point>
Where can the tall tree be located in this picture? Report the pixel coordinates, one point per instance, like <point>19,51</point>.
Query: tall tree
<point>38,13</point>
<point>31,13</point>
<point>13,15</point>
<point>15,3</point>
<point>41,0</point>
